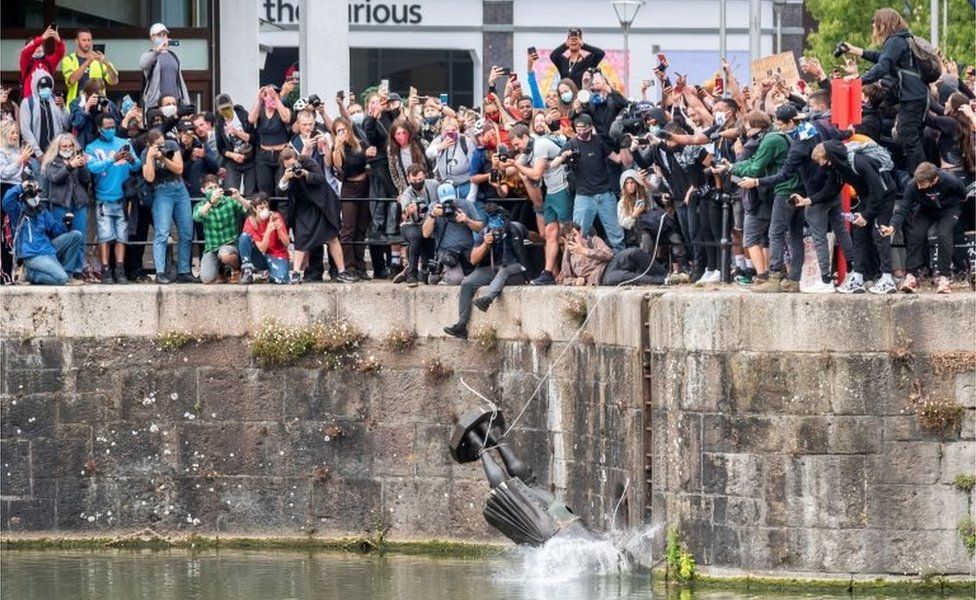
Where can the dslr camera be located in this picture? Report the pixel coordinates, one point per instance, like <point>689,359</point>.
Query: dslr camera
<point>422,208</point>
<point>29,193</point>
<point>449,209</point>
<point>841,49</point>
<point>497,234</point>
<point>504,154</point>
<point>574,155</point>
<point>297,169</point>
<point>314,101</point>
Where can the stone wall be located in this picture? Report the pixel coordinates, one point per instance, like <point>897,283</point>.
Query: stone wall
<point>774,431</point>
<point>104,430</point>
<point>783,438</point>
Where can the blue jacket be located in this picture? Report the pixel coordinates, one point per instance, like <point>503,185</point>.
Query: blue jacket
<point>32,233</point>
<point>109,177</point>
<point>83,122</point>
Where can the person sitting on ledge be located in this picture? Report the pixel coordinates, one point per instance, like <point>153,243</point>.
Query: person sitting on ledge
<point>49,250</point>
<point>584,257</point>
<point>264,243</point>
<point>220,215</point>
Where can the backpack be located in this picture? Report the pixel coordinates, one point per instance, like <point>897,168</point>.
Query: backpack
<point>925,58</point>
<point>872,150</point>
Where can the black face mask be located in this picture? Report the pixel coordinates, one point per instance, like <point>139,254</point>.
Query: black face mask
<point>394,113</point>
<point>417,185</point>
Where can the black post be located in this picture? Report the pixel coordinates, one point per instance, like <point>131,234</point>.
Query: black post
<point>725,264</point>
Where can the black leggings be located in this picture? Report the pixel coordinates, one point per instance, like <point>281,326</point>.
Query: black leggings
<point>268,171</point>
<point>917,239</point>
<point>710,231</point>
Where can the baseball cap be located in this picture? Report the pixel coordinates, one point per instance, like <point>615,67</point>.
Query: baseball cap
<point>583,119</point>
<point>394,97</point>
<point>157,28</point>
<point>446,191</point>
<point>224,101</point>
<point>479,127</point>
<point>184,125</point>
<point>786,112</point>
<point>45,82</point>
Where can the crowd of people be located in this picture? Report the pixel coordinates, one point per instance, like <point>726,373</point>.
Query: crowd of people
<point>574,185</point>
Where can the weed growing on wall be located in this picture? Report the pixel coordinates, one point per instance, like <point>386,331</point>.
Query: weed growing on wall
<point>335,341</point>
<point>940,415</point>
<point>400,339</point>
<point>967,531</point>
<point>174,340</point>
<point>681,563</point>
<point>965,482</point>
<point>436,371</point>
<point>575,310</point>
<point>486,336</point>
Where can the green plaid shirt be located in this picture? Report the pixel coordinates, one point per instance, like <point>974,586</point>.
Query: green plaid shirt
<point>222,225</point>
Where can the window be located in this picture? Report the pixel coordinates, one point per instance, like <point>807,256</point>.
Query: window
<point>35,14</point>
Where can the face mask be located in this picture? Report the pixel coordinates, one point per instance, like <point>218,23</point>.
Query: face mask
<point>394,113</point>
<point>814,113</point>
<point>402,138</point>
<point>38,54</point>
<point>33,202</point>
<point>45,93</point>
<point>432,120</point>
<point>264,214</point>
<point>596,99</point>
<point>227,113</point>
<point>417,185</point>
<point>654,130</point>
<point>566,96</point>
<point>168,111</point>
<point>270,103</point>
<point>584,134</point>
<point>720,119</point>
<point>66,153</point>
<point>158,42</point>
<point>357,118</point>
<point>209,192</point>
<point>107,134</point>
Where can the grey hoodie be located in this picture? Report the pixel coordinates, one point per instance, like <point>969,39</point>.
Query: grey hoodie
<point>150,95</point>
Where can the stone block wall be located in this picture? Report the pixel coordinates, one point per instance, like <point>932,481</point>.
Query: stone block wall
<point>103,430</point>
<point>783,438</point>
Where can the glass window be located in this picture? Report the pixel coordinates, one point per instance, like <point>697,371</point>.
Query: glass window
<point>117,13</point>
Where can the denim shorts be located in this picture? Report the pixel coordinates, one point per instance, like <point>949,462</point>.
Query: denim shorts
<point>112,225</point>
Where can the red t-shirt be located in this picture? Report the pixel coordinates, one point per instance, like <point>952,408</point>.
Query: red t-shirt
<point>276,249</point>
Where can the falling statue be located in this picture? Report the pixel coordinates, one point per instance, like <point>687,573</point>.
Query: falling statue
<point>517,505</point>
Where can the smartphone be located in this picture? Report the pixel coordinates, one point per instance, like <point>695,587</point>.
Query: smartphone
<point>341,95</point>
<point>99,48</point>
<point>59,95</point>
<point>719,86</point>
<point>413,91</point>
<point>296,76</point>
<point>443,99</point>
<point>384,89</point>
<point>640,203</point>
<point>661,59</point>
<point>174,42</point>
<point>532,51</point>
<point>506,70</point>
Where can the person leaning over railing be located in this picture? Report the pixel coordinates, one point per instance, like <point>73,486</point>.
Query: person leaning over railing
<point>220,213</point>
<point>264,243</point>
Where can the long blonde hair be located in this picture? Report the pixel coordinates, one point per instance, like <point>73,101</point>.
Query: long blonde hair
<point>629,201</point>
<point>55,147</point>
<point>352,142</point>
<point>886,22</point>
<point>5,128</point>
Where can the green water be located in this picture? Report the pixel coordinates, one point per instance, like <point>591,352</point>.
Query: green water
<point>238,575</point>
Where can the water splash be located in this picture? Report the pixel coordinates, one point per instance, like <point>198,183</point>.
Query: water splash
<point>566,559</point>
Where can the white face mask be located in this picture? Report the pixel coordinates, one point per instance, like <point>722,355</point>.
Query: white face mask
<point>264,214</point>
<point>720,119</point>
<point>66,153</point>
<point>169,110</point>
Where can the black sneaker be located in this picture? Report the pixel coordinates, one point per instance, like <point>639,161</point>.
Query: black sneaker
<point>381,273</point>
<point>120,275</point>
<point>544,278</point>
<point>107,276</point>
<point>346,277</point>
<point>163,279</point>
<point>401,277</point>
<point>411,281</point>
<point>247,275</point>
<point>457,330</point>
<point>482,303</point>
<point>187,278</point>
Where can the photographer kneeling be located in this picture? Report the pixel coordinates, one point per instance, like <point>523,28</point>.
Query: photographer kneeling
<point>49,250</point>
<point>221,215</point>
<point>451,222</point>
<point>416,200</point>
<point>499,259</point>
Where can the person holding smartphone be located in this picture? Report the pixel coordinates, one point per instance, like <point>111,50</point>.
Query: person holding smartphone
<point>111,160</point>
<point>573,58</point>
<point>40,55</point>
<point>87,62</point>
<point>162,71</point>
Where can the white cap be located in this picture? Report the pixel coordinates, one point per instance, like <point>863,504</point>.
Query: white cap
<point>157,28</point>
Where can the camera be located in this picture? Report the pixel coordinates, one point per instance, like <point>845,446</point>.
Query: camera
<point>297,169</point>
<point>226,192</point>
<point>29,193</point>
<point>102,104</point>
<point>841,49</point>
<point>497,234</point>
<point>504,154</point>
<point>449,209</point>
<point>69,219</point>
<point>314,101</point>
<point>168,153</point>
<point>418,217</point>
<point>574,156</point>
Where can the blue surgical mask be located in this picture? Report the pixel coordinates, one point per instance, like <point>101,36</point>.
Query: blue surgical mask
<point>45,93</point>
<point>432,120</point>
<point>357,118</point>
<point>566,97</point>
<point>654,130</point>
<point>107,134</point>
<point>596,99</point>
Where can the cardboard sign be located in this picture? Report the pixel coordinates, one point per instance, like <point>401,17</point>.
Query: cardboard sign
<point>783,65</point>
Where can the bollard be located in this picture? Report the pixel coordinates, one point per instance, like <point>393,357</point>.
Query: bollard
<point>845,110</point>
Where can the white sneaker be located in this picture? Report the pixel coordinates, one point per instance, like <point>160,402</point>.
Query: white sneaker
<point>709,277</point>
<point>884,285</point>
<point>853,284</point>
<point>819,288</point>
